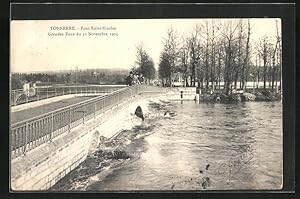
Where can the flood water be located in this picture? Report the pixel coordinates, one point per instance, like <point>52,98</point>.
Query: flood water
<point>189,146</point>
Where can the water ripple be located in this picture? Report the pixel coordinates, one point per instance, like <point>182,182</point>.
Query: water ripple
<point>203,146</point>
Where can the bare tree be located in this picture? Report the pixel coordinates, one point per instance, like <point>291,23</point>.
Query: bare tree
<point>246,59</point>
<point>268,50</point>
<point>237,68</point>
<point>213,41</point>
<point>183,59</point>
<point>206,53</point>
<point>171,49</point>
<point>263,50</point>
<point>257,69</point>
<point>229,36</point>
<point>164,69</point>
<point>274,50</point>
<point>222,52</point>
<point>194,53</point>
<point>278,55</point>
<point>220,57</point>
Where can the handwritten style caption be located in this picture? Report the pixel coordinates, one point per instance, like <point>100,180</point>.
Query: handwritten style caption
<point>235,165</point>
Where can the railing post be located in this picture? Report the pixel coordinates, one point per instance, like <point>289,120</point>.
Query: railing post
<point>118,99</point>
<point>52,126</point>
<point>26,133</point>
<point>12,145</point>
<point>26,94</point>
<point>14,98</point>
<point>47,93</point>
<point>84,110</point>
<point>37,93</point>
<point>70,119</point>
<point>63,90</point>
<point>95,108</point>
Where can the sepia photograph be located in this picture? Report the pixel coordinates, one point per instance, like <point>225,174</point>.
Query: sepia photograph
<point>170,104</point>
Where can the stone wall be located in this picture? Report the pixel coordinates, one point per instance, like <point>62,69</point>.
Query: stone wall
<point>43,166</point>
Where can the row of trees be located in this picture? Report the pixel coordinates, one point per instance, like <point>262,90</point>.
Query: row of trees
<point>82,77</point>
<point>18,79</point>
<point>221,51</point>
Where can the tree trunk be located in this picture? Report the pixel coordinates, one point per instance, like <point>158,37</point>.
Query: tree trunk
<point>235,80</point>
<point>258,79</point>
<point>265,76</point>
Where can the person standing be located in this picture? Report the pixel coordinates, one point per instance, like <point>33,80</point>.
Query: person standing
<point>129,79</point>
<point>136,80</point>
<point>141,78</point>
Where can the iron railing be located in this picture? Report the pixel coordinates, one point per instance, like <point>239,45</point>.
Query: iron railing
<point>29,134</point>
<point>43,92</point>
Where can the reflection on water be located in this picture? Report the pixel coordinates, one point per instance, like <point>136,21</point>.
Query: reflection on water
<point>189,146</point>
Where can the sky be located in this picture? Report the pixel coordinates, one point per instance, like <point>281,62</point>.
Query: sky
<point>35,47</point>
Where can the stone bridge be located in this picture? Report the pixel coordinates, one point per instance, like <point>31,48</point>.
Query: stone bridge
<point>47,146</point>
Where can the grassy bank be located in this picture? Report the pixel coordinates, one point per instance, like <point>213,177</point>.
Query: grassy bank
<point>241,97</point>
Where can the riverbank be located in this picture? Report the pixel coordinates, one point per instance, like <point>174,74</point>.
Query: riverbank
<point>263,96</point>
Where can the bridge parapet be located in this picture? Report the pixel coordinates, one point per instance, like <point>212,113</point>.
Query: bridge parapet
<point>20,96</point>
<point>43,166</point>
<point>29,134</point>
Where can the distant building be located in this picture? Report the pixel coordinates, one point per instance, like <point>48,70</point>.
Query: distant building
<point>178,80</point>
<point>29,89</point>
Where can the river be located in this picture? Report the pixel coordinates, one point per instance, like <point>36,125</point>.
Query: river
<point>189,146</point>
